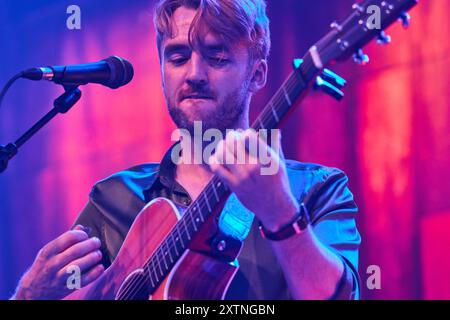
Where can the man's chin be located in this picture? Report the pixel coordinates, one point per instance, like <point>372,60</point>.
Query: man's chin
<point>209,113</point>
<point>197,110</point>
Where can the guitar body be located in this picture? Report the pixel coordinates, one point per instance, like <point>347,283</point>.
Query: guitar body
<point>195,275</point>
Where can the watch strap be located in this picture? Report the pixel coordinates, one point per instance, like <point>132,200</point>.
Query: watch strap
<point>298,226</point>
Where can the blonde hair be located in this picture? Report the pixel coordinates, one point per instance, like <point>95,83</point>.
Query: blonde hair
<point>231,20</point>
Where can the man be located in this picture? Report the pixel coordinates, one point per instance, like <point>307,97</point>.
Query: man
<point>213,57</point>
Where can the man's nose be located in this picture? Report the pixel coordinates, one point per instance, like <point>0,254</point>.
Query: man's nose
<point>197,75</point>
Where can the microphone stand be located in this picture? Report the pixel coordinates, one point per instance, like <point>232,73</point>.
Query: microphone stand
<point>62,104</point>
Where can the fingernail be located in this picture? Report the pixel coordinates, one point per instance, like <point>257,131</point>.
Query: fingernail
<point>80,227</point>
<point>96,239</point>
<point>87,230</point>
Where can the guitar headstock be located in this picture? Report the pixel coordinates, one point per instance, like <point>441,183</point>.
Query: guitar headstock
<point>367,21</point>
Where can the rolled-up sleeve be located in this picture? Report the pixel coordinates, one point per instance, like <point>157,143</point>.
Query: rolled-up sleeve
<point>92,218</point>
<point>333,212</point>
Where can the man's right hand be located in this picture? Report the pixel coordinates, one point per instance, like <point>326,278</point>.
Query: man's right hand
<point>47,277</point>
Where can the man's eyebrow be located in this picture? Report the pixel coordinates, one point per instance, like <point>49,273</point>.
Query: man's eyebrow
<point>217,47</point>
<point>181,47</point>
<point>175,47</point>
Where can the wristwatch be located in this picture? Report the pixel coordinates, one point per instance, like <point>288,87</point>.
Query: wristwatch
<point>298,226</point>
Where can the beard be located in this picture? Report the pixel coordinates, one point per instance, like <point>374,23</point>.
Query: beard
<point>226,115</point>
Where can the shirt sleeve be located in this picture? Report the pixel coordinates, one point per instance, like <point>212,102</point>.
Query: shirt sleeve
<point>92,218</point>
<point>333,211</point>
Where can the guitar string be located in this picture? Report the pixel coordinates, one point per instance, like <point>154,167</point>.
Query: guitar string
<point>127,292</point>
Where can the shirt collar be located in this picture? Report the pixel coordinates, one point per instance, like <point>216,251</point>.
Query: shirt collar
<point>166,178</point>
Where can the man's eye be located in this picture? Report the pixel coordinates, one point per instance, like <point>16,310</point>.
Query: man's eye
<point>178,60</point>
<point>218,60</point>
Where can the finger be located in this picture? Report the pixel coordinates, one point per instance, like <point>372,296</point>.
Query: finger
<point>83,264</point>
<point>230,147</point>
<point>63,242</point>
<point>221,171</point>
<point>77,251</point>
<point>250,141</point>
<point>235,153</point>
<point>83,228</point>
<point>92,274</point>
<point>88,261</point>
<point>85,278</point>
<point>273,151</point>
<point>219,153</point>
<point>236,147</point>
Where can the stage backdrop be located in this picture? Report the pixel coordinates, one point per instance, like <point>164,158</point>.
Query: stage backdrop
<point>390,134</point>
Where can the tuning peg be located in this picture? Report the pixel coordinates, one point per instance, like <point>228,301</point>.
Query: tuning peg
<point>405,18</point>
<point>383,38</point>
<point>335,25</point>
<point>328,88</point>
<point>333,78</point>
<point>360,58</point>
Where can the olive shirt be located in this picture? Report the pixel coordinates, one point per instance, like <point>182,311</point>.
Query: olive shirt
<point>115,202</point>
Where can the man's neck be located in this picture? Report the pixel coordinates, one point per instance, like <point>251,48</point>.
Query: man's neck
<point>193,177</point>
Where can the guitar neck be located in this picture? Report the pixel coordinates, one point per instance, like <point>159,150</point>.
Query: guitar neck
<point>282,102</point>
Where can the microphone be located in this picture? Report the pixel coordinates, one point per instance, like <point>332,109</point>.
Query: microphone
<point>112,72</point>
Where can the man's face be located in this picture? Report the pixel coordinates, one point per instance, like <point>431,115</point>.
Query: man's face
<point>208,83</point>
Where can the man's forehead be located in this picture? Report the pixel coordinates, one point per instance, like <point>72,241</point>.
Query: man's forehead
<point>182,17</point>
<point>181,24</point>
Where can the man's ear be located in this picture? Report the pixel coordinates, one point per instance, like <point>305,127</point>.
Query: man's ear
<point>259,75</point>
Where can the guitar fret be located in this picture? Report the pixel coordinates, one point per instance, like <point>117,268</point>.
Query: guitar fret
<point>215,192</point>
<point>200,211</point>
<point>187,230</point>
<point>275,113</point>
<point>164,259</point>
<point>150,276</point>
<point>174,244</point>
<point>179,237</point>
<point>168,252</point>
<point>193,222</point>
<point>261,124</point>
<point>207,203</point>
<point>287,96</point>
<point>159,265</point>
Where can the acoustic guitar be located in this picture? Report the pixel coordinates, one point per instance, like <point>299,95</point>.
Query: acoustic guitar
<point>169,256</point>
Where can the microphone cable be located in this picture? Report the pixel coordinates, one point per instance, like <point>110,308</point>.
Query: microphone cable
<point>8,85</point>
